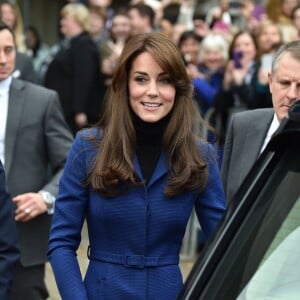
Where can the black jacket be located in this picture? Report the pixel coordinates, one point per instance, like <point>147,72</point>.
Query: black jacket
<point>75,74</point>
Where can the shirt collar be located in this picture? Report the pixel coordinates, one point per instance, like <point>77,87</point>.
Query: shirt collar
<point>5,84</point>
<point>274,125</point>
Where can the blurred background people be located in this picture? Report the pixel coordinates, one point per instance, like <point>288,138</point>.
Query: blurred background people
<point>97,19</point>
<point>106,6</point>
<point>252,14</point>
<point>269,37</point>
<point>280,12</point>
<point>189,46</point>
<point>239,89</point>
<point>37,49</point>
<point>112,46</point>
<point>239,77</point>
<point>142,18</point>
<point>200,26</point>
<point>169,19</point>
<point>296,20</point>
<point>74,71</point>
<point>208,77</point>
<point>11,16</point>
<point>219,13</point>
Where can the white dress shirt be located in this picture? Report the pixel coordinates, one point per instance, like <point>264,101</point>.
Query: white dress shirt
<point>273,127</point>
<point>4,95</point>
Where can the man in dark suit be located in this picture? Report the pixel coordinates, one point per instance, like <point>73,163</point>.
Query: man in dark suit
<point>250,131</point>
<point>9,252</point>
<point>34,143</point>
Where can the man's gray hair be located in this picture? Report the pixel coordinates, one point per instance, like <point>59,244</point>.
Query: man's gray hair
<point>292,47</point>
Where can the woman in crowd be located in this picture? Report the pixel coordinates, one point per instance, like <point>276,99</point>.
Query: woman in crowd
<point>135,178</point>
<point>269,37</point>
<point>189,45</point>
<point>74,71</point>
<point>208,77</point>
<point>280,12</point>
<point>37,49</point>
<point>112,46</point>
<point>239,77</point>
<point>240,90</point>
<point>11,16</point>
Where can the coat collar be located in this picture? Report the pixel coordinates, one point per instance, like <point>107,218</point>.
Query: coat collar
<point>162,167</point>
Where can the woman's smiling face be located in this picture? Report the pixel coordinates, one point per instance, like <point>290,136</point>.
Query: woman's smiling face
<point>151,92</point>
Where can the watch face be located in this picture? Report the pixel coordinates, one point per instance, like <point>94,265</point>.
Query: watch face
<point>48,199</point>
<point>49,205</point>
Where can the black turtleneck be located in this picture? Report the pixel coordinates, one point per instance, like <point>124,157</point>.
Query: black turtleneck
<point>149,143</point>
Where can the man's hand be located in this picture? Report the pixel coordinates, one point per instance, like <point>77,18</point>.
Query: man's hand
<point>29,206</point>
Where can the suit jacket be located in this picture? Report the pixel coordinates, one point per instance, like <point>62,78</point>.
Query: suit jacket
<point>9,252</point>
<point>37,142</point>
<point>139,225</point>
<point>245,137</point>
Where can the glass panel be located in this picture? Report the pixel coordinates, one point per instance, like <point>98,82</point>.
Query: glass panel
<point>278,274</point>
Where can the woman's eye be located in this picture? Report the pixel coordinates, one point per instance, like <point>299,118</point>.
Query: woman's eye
<point>140,79</point>
<point>166,80</point>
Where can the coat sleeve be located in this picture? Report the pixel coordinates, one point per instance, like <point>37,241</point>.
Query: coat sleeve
<point>9,252</point>
<point>207,91</point>
<point>68,218</point>
<point>211,203</point>
<point>58,139</point>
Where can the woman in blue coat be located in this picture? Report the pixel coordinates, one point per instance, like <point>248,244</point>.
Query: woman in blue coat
<point>135,178</point>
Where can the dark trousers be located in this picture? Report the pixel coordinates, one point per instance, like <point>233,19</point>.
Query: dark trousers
<point>28,283</point>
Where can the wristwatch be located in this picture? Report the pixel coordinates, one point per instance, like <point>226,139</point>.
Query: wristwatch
<point>48,199</point>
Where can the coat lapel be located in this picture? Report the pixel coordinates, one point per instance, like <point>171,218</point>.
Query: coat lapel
<point>162,167</point>
<point>137,167</point>
<point>15,108</point>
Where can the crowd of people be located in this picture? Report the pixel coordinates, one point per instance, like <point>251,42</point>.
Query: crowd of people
<point>227,50</point>
<point>155,81</point>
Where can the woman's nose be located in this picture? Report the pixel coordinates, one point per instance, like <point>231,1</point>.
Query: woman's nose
<point>153,89</point>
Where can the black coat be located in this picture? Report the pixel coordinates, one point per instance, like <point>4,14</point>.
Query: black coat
<point>75,74</point>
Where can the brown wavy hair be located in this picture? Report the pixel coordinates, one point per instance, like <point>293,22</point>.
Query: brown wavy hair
<point>113,165</point>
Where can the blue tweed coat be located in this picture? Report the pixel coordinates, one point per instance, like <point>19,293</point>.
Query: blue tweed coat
<point>135,238</point>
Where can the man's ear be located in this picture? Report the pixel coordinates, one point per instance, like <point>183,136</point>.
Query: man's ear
<point>270,80</point>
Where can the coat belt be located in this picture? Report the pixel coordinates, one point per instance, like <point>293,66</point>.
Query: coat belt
<point>132,261</point>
